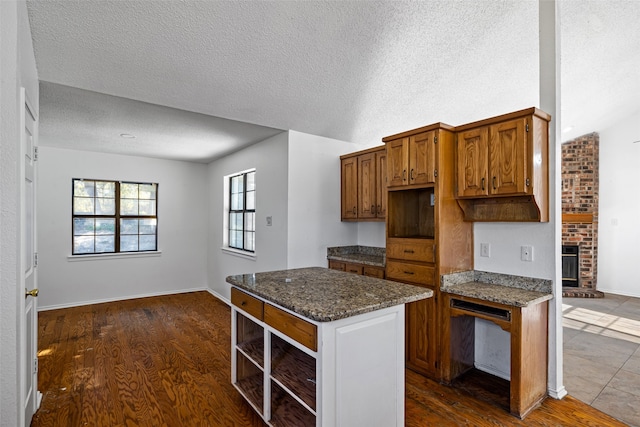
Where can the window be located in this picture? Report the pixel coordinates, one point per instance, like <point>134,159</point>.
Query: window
<point>242,211</point>
<point>111,216</point>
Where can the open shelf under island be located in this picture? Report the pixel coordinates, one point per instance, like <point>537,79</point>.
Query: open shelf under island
<point>315,346</point>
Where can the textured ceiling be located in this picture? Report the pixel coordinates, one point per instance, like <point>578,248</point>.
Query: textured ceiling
<point>355,71</point>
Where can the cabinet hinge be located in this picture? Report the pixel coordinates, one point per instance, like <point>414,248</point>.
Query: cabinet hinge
<point>35,154</point>
<point>528,182</point>
<point>35,259</point>
<point>435,139</point>
<point>527,127</point>
<point>35,365</point>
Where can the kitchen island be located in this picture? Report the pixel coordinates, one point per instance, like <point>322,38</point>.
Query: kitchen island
<point>320,347</point>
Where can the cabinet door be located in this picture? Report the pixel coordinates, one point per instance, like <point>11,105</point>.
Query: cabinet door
<point>397,159</point>
<point>381,184</point>
<point>472,164</point>
<point>422,158</point>
<point>349,188</point>
<point>353,268</point>
<point>337,265</point>
<point>507,157</point>
<point>422,340</point>
<point>367,186</point>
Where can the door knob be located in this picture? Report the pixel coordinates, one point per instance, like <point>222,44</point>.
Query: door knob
<point>32,292</point>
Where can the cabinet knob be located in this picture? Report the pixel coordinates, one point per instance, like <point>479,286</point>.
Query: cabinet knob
<point>379,210</point>
<point>494,182</point>
<point>404,175</point>
<point>482,183</point>
<point>373,209</point>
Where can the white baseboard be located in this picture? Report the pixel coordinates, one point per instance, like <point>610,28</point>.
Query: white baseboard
<point>100,301</point>
<point>557,394</point>
<point>220,297</point>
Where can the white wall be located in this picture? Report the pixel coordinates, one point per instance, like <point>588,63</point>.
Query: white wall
<point>269,158</point>
<point>182,224</point>
<point>619,204</point>
<point>314,200</point>
<point>17,68</point>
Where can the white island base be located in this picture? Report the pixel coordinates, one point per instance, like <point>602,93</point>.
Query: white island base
<point>299,372</point>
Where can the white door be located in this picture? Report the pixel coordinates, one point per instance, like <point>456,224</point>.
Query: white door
<point>29,327</point>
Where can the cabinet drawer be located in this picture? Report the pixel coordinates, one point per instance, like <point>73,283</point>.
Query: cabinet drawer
<point>353,268</point>
<point>294,327</point>
<point>249,304</point>
<point>406,272</point>
<point>373,272</point>
<point>337,265</point>
<point>411,249</point>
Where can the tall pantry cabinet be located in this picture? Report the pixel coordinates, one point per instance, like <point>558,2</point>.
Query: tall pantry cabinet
<point>426,234</point>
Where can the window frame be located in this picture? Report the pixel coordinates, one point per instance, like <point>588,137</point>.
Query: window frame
<point>243,211</point>
<point>117,217</point>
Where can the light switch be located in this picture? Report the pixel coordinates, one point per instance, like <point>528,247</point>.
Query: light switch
<point>269,221</point>
<point>485,249</point>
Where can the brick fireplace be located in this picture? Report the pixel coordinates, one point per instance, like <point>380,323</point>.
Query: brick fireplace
<point>580,159</point>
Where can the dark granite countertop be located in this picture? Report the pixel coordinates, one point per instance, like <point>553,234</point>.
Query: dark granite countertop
<point>504,289</point>
<point>325,295</point>
<point>367,255</point>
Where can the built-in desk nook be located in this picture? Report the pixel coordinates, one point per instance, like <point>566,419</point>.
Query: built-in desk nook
<point>519,306</point>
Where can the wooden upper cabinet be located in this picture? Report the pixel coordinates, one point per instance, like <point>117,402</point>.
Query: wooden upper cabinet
<point>364,193</point>
<point>412,160</point>
<point>502,167</point>
<point>507,157</point>
<point>473,164</point>
<point>422,158</point>
<point>381,184</point>
<point>349,187</point>
<point>397,160</point>
<point>367,194</point>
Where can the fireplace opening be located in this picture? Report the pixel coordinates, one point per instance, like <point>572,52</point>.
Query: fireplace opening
<point>570,265</point>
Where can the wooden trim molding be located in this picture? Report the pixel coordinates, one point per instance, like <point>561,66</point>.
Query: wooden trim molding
<point>577,218</point>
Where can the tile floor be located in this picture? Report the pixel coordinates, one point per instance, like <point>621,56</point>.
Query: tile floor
<point>602,354</point>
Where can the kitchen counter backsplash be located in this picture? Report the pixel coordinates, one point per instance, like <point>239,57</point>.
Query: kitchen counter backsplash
<point>360,254</point>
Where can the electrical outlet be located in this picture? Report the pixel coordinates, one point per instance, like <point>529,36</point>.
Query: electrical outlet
<point>526,253</point>
<point>485,249</point>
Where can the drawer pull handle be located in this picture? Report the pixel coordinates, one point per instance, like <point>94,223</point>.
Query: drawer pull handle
<point>243,303</point>
<point>409,272</point>
<point>408,251</point>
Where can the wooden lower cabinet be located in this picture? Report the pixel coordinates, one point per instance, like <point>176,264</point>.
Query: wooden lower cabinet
<point>422,336</point>
<point>356,268</point>
<point>297,372</point>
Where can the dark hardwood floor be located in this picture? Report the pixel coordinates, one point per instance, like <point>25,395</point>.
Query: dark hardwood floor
<point>165,361</point>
